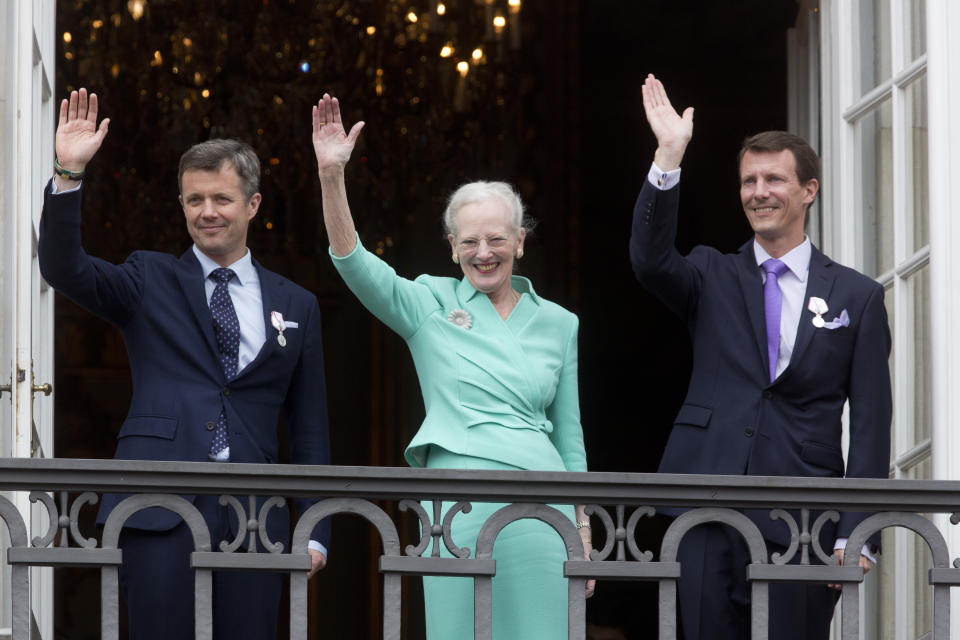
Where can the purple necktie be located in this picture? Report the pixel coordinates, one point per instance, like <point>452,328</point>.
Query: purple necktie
<point>772,302</point>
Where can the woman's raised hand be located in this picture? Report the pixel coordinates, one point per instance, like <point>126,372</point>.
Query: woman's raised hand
<point>332,144</point>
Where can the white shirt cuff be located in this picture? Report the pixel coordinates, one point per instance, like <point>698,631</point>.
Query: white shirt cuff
<point>841,543</point>
<point>53,187</point>
<point>313,545</point>
<point>661,179</point>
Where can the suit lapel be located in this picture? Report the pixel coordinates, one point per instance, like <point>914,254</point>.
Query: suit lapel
<point>273,296</point>
<point>751,285</point>
<point>190,275</point>
<point>819,284</point>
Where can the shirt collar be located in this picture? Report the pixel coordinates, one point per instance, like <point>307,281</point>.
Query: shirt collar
<point>523,285</point>
<point>797,259</point>
<point>243,267</point>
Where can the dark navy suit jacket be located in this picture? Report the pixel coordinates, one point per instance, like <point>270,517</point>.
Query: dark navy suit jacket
<point>735,421</point>
<point>179,386</point>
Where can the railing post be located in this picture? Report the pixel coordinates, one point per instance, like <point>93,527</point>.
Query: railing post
<point>483,608</point>
<point>298,607</point>
<point>577,606</point>
<point>759,611</point>
<point>19,574</point>
<point>941,612</point>
<point>110,603</point>
<point>668,609</point>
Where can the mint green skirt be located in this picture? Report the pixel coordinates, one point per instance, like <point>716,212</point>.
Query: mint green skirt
<point>529,590</point>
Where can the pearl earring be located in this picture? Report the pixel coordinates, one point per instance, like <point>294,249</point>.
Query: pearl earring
<point>455,258</point>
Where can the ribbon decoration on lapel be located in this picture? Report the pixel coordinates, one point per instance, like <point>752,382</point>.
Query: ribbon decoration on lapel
<point>276,319</point>
<point>819,307</point>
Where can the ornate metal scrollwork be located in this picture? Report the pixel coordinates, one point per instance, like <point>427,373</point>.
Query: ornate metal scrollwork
<point>955,519</point>
<point>425,526</point>
<point>251,527</point>
<point>436,530</point>
<point>53,518</point>
<point>85,498</point>
<point>233,545</point>
<point>623,535</point>
<point>611,537</point>
<point>458,552</point>
<point>642,556</point>
<point>64,519</point>
<point>825,558</point>
<point>272,547</point>
<point>795,536</point>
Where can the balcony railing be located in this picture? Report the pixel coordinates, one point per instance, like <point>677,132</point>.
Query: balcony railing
<point>618,501</point>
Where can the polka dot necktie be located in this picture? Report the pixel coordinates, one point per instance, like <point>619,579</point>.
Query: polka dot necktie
<point>226,327</point>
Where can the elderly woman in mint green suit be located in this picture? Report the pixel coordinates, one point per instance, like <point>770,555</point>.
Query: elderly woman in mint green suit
<point>498,371</point>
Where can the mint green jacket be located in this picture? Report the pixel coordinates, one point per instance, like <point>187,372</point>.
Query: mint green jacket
<point>504,390</point>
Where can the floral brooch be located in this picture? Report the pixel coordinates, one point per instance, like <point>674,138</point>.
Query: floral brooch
<point>460,318</point>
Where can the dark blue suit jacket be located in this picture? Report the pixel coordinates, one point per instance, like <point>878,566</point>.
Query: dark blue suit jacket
<point>734,420</point>
<point>179,386</point>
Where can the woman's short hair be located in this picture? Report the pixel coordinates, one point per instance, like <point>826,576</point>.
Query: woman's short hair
<point>210,156</point>
<point>481,191</point>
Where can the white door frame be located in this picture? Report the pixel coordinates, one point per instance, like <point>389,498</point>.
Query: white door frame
<point>27,132</point>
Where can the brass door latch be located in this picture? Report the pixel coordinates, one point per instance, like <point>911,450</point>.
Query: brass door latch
<point>46,388</point>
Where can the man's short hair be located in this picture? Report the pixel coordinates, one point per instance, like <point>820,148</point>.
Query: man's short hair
<point>210,156</point>
<point>808,164</point>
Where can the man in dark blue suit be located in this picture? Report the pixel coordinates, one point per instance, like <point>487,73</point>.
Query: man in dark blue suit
<point>219,347</point>
<point>782,338</point>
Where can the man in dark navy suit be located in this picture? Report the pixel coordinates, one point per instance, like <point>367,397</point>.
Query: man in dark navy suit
<point>219,347</point>
<point>782,338</point>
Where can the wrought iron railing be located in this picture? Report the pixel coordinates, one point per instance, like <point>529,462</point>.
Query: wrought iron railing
<point>618,501</point>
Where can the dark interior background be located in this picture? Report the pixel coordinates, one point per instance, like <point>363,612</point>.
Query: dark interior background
<point>559,116</point>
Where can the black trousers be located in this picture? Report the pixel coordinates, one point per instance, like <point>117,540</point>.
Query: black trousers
<point>157,583</point>
<point>714,594</point>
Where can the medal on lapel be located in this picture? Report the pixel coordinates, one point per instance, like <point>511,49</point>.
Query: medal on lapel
<point>276,318</point>
<point>819,307</point>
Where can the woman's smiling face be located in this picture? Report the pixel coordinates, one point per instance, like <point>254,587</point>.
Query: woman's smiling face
<point>485,243</point>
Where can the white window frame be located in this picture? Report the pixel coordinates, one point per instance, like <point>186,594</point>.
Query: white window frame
<point>943,95</point>
<point>841,107</point>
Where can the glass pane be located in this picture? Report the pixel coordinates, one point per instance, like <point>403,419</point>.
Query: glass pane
<point>875,150</point>
<point>920,596</point>
<point>916,102</point>
<point>922,367</point>
<point>874,43</point>
<point>888,303</point>
<point>917,25</point>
